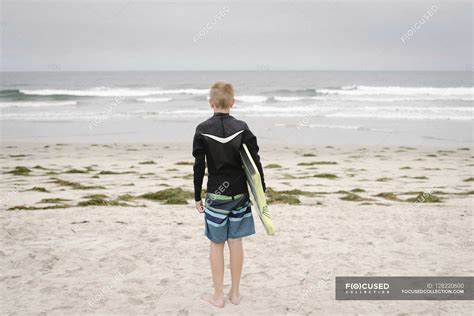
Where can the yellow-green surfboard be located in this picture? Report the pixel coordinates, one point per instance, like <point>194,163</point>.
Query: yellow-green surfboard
<point>256,188</point>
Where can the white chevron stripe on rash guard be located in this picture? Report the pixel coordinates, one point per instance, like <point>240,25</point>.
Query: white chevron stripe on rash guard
<point>223,140</point>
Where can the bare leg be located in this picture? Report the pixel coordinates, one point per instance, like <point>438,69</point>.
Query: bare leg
<point>236,262</point>
<point>217,269</point>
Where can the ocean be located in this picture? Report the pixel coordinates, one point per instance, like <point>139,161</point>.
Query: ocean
<point>281,107</point>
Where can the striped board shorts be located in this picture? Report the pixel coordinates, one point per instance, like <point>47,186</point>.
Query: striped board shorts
<point>227,217</point>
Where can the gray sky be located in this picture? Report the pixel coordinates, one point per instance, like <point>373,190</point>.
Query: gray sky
<point>275,35</point>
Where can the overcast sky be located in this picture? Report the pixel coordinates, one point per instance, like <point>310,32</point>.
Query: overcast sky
<point>275,35</point>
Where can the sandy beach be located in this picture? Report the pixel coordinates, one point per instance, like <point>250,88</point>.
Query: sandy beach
<point>93,228</point>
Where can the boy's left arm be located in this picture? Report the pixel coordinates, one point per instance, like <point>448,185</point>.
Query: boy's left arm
<point>199,154</point>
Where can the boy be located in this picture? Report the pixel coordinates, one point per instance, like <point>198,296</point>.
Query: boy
<point>227,209</point>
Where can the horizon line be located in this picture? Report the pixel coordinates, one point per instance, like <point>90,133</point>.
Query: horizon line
<point>468,69</point>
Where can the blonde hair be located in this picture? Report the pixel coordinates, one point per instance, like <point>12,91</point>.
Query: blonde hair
<point>222,94</point>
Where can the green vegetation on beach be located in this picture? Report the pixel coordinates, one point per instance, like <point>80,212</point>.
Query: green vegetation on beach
<point>297,192</point>
<point>38,189</point>
<point>53,200</point>
<point>102,200</point>
<point>312,163</point>
<point>98,201</point>
<point>276,197</point>
<point>184,163</point>
<point>34,208</point>
<point>39,167</point>
<point>96,196</point>
<point>169,196</point>
<point>422,197</point>
<point>20,171</point>
<point>148,162</point>
<point>125,197</point>
<point>108,172</point>
<point>76,171</point>
<point>75,185</point>
<point>354,198</point>
<point>389,196</point>
<point>272,166</point>
<point>421,178</point>
<point>466,193</point>
<point>325,175</point>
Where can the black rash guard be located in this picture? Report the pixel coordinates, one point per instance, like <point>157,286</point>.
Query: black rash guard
<point>218,141</point>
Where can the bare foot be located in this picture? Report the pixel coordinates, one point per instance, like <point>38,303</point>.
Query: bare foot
<point>216,300</point>
<point>234,298</point>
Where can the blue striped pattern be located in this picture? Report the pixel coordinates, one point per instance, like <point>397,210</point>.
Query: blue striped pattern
<point>228,217</point>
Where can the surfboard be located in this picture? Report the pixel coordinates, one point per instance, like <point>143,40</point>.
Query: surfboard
<point>254,182</point>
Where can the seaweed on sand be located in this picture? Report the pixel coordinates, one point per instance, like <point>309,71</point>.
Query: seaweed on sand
<point>169,196</point>
<point>20,171</point>
<point>276,197</point>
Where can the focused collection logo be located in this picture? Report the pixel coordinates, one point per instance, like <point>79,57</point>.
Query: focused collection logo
<point>367,288</point>
<point>404,288</point>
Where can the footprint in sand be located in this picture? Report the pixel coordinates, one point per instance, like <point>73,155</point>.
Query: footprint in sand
<point>135,301</point>
<point>261,274</point>
<point>423,229</point>
<point>183,312</point>
<point>152,297</point>
<point>399,238</point>
<point>135,280</point>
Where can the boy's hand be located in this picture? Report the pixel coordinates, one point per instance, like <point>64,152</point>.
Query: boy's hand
<point>199,207</point>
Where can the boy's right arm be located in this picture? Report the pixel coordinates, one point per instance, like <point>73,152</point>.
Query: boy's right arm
<point>199,154</point>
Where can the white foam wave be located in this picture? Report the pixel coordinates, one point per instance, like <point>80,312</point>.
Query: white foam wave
<point>350,98</point>
<point>153,100</point>
<point>392,90</point>
<point>266,110</point>
<point>290,99</point>
<point>351,127</point>
<point>112,92</point>
<point>55,116</point>
<point>275,109</point>
<point>391,99</point>
<point>36,104</point>
<point>402,116</point>
<point>251,98</point>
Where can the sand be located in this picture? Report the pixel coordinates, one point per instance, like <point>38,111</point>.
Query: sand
<point>152,258</point>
